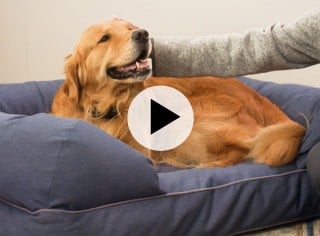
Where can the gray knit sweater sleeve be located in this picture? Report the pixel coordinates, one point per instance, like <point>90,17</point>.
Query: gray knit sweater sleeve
<point>277,47</point>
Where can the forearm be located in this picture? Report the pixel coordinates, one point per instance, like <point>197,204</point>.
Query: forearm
<point>277,47</point>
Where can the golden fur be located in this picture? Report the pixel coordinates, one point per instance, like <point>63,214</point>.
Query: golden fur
<point>231,121</point>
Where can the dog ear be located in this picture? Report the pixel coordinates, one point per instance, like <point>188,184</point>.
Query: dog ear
<point>72,86</point>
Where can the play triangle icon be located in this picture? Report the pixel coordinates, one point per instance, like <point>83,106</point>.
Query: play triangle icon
<point>161,116</point>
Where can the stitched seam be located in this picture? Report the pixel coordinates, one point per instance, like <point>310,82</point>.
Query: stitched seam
<point>167,195</point>
<point>314,216</point>
<point>67,136</point>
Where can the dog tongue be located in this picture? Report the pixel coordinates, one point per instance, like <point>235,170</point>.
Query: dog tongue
<point>138,65</point>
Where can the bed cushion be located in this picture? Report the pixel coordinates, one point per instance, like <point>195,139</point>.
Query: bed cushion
<point>28,98</point>
<point>49,162</point>
<point>66,179</point>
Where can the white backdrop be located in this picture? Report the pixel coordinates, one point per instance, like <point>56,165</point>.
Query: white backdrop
<point>37,34</point>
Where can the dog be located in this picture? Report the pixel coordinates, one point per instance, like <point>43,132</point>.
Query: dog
<point>232,122</point>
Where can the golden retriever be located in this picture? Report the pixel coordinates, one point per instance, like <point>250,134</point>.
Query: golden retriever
<point>232,122</point>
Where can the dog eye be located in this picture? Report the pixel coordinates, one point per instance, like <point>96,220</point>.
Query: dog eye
<point>104,38</point>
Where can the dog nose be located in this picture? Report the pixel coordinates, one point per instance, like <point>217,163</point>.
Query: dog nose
<point>140,35</point>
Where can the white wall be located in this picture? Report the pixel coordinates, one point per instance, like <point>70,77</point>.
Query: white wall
<point>37,34</point>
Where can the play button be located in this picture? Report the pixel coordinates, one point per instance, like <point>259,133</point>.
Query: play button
<point>160,118</point>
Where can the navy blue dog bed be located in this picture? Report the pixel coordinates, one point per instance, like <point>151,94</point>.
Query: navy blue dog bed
<point>66,177</point>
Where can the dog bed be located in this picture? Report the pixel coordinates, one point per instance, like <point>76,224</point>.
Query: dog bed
<point>66,177</point>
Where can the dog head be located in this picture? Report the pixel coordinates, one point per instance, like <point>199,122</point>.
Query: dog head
<point>105,71</point>
<point>108,54</point>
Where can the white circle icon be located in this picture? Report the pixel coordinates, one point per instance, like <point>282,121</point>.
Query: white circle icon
<point>160,118</point>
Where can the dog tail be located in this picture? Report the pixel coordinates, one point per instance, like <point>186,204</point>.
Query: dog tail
<point>277,144</point>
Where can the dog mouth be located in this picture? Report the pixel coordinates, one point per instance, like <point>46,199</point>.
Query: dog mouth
<point>139,68</point>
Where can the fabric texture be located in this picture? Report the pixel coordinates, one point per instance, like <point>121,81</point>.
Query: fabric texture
<point>313,165</point>
<point>66,177</point>
<point>54,163</point>
<point>276,47</point>
<point>28,98</point>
